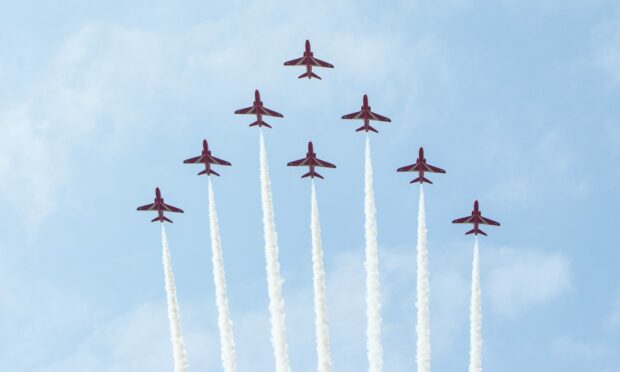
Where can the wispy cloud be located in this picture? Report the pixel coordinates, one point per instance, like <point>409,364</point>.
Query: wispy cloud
<point>576,349</point>
<point>614,314</point>
<point>519,280</point>
<point>138,340</point>
<point>607,46</point>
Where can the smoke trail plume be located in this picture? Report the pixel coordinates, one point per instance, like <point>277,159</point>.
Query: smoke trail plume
<point>176,335</point>
<point>274,280</point>
<point>320,302</point>
<point>227,341</point>
<point>373,301</point>
<point>475,329</point>
<point>423,344</point>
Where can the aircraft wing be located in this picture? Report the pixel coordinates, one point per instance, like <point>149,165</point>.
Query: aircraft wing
<point>323,163</point>
<point>148,207</point>
<point>354,115</point>
<point>170,208</point>
<point>295,62</point>
<point>468,219</point>
<point>247,110</point>
<point>488,221</point>
<point>378,117</point>
<point>433,169</point>
<point>319,63</point>
<point>268,112</point>
<point>298,163</point>
<point>196,160</point>
<point>218,161</point>
<point>409,168</point>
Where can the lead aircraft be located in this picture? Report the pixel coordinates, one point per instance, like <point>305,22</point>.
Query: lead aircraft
<point>308,60</point>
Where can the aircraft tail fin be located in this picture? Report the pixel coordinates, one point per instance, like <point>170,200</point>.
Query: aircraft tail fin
<point>309,75</point>
<point>421,180</point>
<point>260,123</point>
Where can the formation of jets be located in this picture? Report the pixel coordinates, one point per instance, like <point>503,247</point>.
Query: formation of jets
<point>311,160</point>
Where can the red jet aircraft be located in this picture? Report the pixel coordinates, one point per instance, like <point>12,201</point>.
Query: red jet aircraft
<point>311,161</point>
<point>160,207</point>
<point>259,110</point>
<point>421,167</point>
<point>366,114</point>
<point>476,219</point>
<point>207,159</point>
<point>308,60</point>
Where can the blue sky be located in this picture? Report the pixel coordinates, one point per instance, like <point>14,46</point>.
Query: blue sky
<point>101,102</point>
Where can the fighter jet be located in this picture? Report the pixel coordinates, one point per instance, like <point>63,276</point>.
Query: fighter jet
<point>207,159</point>
<point>366,114</point>
<point>259,110</point>
<point>421,167</point>
<point>476,219</point>
<point>160,207</point>
<point>308,60</point>
<point>311,161</point>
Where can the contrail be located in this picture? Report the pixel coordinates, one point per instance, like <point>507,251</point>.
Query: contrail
<point>423,344</point>
<point>373,301</point>
<point>320,301</point>
<point>475,329</point>
<point>274,280</point>
<point>227,341</point>
<point>176,335</point>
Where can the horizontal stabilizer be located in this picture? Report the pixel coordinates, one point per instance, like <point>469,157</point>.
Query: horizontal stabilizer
<point>260,123</point>
<point>209,172</point>
<point>421,180</point>
<point>312,174</point>
<point>162,219</point>
<point>473,231</point>
<point>364,128</point>
<point>309,76</point>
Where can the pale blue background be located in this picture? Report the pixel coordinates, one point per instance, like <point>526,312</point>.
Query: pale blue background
<point>101,102</point>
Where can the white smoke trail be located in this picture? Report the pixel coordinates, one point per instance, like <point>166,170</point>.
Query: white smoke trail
<point>423,344</point>
<point>176,335</point>
<point>274,280</point>
<point>227,341</point>
<point>320,301</point>
<point>475,329</point>
<point>373,301</point>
